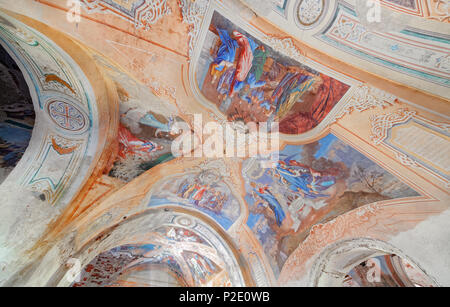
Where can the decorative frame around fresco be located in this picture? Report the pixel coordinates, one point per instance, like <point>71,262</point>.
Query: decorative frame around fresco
<point>270,41</point>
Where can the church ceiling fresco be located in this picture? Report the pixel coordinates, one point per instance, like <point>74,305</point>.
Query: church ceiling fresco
<point>146,121</point>
<point>347,147</point>
<point>141,149</point>
<point>396,39</point>
<point>311,184</point>
<point>250,82</point>
<point>423,55</point>
<point>181,249</point>
<point>179,252</point>
<point>204,191</point>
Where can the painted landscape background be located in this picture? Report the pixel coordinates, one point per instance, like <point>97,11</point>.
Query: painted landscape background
<point>250,82</point>
<point>312,184</point>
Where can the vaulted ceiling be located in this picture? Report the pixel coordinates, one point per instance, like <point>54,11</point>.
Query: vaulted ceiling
<point>360,166</point>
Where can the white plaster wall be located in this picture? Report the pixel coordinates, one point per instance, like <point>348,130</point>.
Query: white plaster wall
<point>428,245</point>
<point>23,219</point>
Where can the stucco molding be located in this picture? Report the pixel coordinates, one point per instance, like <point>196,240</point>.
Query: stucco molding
<point>381,133</point>
<point>143,16</point>
<point>382,123</point>
<point>193,14</point>
<point>365,97</point>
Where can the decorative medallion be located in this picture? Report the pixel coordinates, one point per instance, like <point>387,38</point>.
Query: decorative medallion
<point>308,12</point>
<point>67,116</point>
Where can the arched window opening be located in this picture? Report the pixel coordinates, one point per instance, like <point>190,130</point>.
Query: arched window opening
<point>149,265</point>
<point>167,246</point>
<point>16,114</point>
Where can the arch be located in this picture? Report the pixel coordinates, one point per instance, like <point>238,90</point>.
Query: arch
<point>76,121</point>
<point>139,230</point>
<point>66,114</point>
<point>58,82</point>
<point>333,264</point>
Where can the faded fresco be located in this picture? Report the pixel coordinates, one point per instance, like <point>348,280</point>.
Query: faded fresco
<point>311,184</point>
<point>204,191</point>
<point>98,190</point>
<point>175,256</point>
<point>250,82</point>
<point>146,126</point>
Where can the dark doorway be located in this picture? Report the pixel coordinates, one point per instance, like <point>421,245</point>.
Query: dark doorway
<point>16,114</point>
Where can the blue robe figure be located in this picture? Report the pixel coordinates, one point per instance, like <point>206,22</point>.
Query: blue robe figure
<point>251,80</point>
<point>310,186</point>
<point>227,51</point>
<point>273,203</point>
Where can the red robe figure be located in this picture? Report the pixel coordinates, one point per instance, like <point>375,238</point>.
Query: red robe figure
<point>245,60</point>
<point>131,145</point>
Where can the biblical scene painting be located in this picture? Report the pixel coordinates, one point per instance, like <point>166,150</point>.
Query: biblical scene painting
<point>143,144</point>
<point>145,131</point>
<point>175,256</point>
<point>250,82</point>
<point>311,184</point>
<point>204,191</point>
